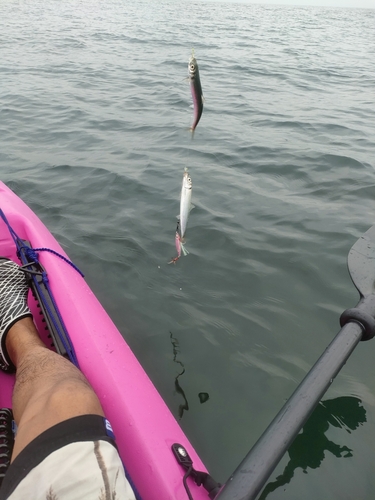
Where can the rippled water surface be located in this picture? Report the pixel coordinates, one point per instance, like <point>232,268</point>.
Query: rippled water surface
<point>94,117</point>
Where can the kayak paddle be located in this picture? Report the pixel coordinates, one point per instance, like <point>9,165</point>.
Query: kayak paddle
<point>357,324</point>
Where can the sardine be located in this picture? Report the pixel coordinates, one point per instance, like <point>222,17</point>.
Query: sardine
<point>185,202</point>
<point>196,91</point>
<point>182,219</point>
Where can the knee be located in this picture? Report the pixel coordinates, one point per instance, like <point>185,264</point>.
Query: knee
<point>73,397</point>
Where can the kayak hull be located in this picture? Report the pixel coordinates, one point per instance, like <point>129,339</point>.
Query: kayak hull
<point>143,425</point>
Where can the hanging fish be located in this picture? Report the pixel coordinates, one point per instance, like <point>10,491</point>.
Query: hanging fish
<point>196,90</point>
<point>185,207</point>
<point>185,202</point>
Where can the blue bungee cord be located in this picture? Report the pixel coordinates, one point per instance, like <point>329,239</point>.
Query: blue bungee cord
<point>29,257</point>
<point>32,254</point>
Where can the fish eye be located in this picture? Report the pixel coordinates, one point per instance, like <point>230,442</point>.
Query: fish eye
<point>192,67</point>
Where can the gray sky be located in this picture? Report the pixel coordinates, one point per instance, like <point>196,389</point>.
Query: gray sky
<point>366,4</point>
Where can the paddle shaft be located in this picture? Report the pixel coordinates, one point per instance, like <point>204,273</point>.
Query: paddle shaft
<point>251,475</point>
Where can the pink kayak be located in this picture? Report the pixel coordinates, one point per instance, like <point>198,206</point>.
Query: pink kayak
<point>144,427</point>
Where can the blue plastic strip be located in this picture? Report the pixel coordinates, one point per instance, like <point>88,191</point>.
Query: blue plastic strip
<point>31,253</point>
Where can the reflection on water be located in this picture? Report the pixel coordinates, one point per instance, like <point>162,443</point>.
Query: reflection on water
<point>309,447</point>
<point>203,396</point>
<point>185,405</point>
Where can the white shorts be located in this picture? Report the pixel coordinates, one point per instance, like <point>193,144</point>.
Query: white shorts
<point>74,460</point>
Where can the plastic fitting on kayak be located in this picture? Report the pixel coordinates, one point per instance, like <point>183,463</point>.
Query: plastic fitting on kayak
<point>365,320</point>
<point>200,478</point>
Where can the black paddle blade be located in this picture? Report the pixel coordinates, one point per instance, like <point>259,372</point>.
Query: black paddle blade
<point>361,263</point>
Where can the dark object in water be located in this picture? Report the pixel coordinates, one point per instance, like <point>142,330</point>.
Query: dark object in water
<point>203,397</point>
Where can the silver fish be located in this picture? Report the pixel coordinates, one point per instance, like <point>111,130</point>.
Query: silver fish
<point>196,91</point>
<point>185,202</point>
<point>182,219</point>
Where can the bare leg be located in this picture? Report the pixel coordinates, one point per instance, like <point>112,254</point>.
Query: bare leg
<point>48,390</point>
